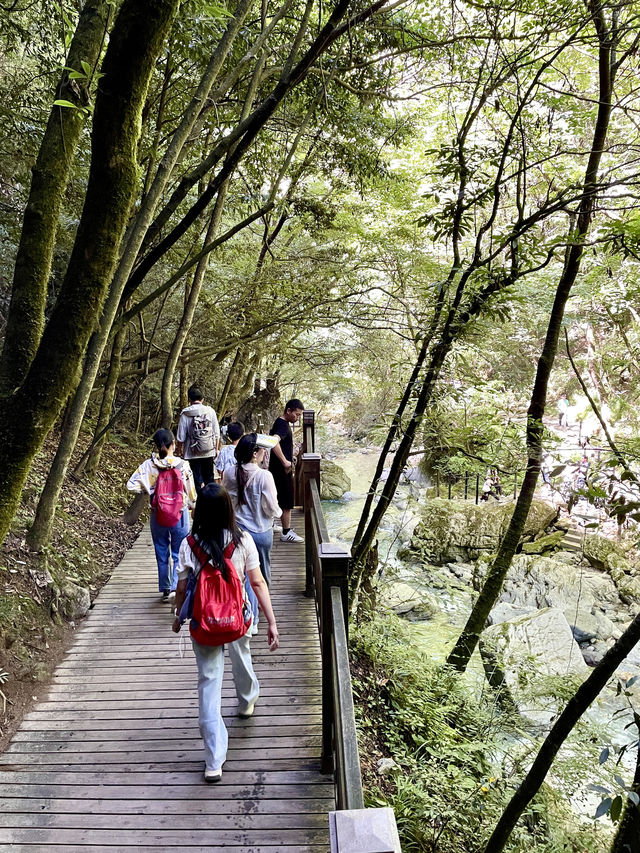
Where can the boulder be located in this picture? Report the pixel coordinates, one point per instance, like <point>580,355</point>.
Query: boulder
<point>539,643</point>
<point>602,552</point>
<point>544,543</point>
<point>333,481</point>
<point>460,530</point>
<point>407,600</point>
<point>73,601</point>
<point>588,598</point>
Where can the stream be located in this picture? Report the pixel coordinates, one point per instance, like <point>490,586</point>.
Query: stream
<point>436,634</point>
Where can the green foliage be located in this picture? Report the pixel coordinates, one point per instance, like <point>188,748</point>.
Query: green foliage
<point>450,785</point>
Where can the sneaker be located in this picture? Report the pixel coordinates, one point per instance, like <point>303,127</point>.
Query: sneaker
<point>165,596</point>
<point>291,536</point>
<point>172,595</point>
<point>248,712</point>
<point>212,776</point>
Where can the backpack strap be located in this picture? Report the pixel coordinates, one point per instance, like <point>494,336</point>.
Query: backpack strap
<point>201,555</point>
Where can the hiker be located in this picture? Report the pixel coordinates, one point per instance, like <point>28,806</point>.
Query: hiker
<point>168,481</point>
<point>281,465</point>
<point>255,501</point>
<point>214,529</point>
<point>563,409</point>
<point>226,458</point>
<point>199,434</point>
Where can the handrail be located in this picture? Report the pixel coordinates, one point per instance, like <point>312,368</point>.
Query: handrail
<point>327,576</point>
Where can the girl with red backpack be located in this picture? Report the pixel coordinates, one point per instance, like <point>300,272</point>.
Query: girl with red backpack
<point>168,481</point>
<point>217,547</point>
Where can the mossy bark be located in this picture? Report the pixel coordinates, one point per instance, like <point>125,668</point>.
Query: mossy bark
<point>106,406</point>
<point>50,175</point>
<point>136,40</point>
<point>40,533</point>
<point>627,838</point>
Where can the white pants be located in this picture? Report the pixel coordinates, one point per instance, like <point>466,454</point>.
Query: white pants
<point>210,660</point>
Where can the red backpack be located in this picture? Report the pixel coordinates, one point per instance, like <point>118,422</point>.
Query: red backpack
<point>220,611</point>
<point>168,497</point>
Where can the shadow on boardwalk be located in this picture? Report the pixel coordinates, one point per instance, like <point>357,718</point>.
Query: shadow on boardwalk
<point>112,758</point>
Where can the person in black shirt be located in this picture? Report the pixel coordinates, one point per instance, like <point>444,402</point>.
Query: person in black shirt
<point>281,465</point>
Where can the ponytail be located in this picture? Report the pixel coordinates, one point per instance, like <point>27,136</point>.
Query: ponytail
<point>244,451</point>
<point>163,439</point>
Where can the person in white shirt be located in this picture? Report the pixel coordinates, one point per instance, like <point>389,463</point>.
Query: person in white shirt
<point>166,540</point>
<point>226,458</point>
<point>199,434</point>
<point>214,527</point>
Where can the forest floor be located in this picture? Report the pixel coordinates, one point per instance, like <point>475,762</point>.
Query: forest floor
<point>89,540</point>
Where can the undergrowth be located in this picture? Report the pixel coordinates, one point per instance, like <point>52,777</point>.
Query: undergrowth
<point>88,540</point>
<point>458,758</point>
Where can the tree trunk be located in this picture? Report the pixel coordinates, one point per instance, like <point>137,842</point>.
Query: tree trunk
<point>106,407</point>
<point>166,393</point>
<point>138,34</point>
<point>468,639</point>
<point>134,239</point>
<point>627,839</point>
<point>577,705</point>
<point>222,402</point>
<point>50,175</point>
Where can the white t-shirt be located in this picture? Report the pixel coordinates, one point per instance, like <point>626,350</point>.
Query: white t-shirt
<point>244,558</point>
<point>261,499</point>
<point>226,458</point>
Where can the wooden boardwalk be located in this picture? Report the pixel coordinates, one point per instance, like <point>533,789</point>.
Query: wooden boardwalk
<point>112,759</point>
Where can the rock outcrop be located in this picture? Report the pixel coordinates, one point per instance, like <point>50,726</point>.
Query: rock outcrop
<point>459,530</point>
<point>333,481</point>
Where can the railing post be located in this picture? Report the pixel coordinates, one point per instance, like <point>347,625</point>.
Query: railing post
<point>466,484</point>
<point>477,488</point>
<point>335,562</point>
<point>310,471</point>
<point>308,446</point>
<point>364,831</point>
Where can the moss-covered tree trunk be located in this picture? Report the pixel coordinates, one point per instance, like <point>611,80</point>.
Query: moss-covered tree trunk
<point>136,40</point>
<point>468,639</point>
<point>627,839</point>
<point>106,406</point>
<point>49,178</point>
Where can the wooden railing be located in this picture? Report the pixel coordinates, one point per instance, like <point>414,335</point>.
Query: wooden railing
<point>354,829</point>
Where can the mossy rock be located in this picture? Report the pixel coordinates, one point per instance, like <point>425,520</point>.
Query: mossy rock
<point>458,530</point>
<point>602,553</point>
<point>544,543</point>
<point>333,481</point>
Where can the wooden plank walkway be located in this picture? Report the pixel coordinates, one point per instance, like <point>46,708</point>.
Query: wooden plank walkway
<point>112,759</point>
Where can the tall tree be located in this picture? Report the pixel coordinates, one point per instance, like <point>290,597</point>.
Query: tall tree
<point>136,40</point>
<point>607,65</point>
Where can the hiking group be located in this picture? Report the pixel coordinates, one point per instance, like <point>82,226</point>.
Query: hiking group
<point>219,572</point>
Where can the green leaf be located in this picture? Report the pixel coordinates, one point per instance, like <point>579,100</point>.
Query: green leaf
<point>63,103</point>
<point>86,67</point>
<point>616,809</point>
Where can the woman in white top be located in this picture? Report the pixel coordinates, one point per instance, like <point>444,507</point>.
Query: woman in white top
<point>214,527</point>
<point>166,540</point>
<point>254,497</point>
<point>255,502</point>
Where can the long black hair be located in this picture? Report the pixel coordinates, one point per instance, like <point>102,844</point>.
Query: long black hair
<point>244,451</point>
<point>212,517</point>
<point>163,439</point>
